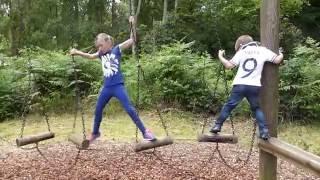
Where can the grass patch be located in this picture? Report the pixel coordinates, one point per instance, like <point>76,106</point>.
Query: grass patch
<point>306,137</point>
<point>117,125</point>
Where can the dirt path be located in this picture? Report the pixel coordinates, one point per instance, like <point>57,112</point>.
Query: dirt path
<point>114,160</point>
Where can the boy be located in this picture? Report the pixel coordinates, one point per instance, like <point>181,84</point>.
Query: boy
<point>250,57</point>
<point>110,57</point>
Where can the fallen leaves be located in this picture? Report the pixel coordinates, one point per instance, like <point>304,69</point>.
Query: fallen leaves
<point>115,160</point>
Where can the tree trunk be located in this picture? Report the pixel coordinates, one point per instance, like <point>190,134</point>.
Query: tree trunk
<point>132,13</point>
<point>15,20</point>
<point>113,16</point>
<point>176,2</point>
<point>165,11</point>
<point>138,8</point>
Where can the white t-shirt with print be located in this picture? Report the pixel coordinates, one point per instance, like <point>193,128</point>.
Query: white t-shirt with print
<point>250,59</point>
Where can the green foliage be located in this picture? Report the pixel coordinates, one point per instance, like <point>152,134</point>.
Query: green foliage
<point>3,44</point>
<point>290,36</point>
<point>300,84</point>
<point>57,24</point>
<point>47,74</point>
<point>175,71</point>
<point>308,19</point>
<point>176,76</point>
<point>11,97</point>
<point>292,7</point>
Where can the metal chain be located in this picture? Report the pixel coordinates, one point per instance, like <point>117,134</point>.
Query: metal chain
<point>215,22</point>
<point>245,162</point>
<point>45,114</point>
<point>82,120</point>
<point>41,153</point>
<point>76,159</point>
<point>221,68</point>
<point>27,99</point>
<point>24,118</point>
<point>176,167</point>
<point>138,76</point>
<point>28,102</point>
<point>75,111</point>
<point>141,72</point>
<point>5,155</point>
<point>78,106</point>
<point>163,122</point>
<point>194,121</point>
<point>205,120</point>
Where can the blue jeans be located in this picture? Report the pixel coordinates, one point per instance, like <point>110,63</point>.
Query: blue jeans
<point>251,93</point>
<point>118,91</point>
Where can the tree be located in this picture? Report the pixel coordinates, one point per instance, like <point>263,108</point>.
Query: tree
<point>165,11</point>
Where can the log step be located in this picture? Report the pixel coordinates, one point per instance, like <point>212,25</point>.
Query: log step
<point>34,138</point>
<point>153,144</point>
<point>218,138</point>
<point>79,141</point>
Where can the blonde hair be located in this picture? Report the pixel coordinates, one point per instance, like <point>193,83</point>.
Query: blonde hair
<point>242,40</point>
<point>105,37</point>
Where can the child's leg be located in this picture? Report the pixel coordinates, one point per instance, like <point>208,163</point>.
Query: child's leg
<point>252,95</point>
<point>234,99</point>
<point>104,97</point>
<point>121,94</point>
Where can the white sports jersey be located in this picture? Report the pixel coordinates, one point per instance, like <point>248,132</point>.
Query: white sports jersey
<point>250,59</point>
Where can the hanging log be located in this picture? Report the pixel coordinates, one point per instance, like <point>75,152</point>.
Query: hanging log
<point>218,138</point>
<point>34,138</point>
<point>291,153</point>
<point>153,144</point>
<point>79,141</point>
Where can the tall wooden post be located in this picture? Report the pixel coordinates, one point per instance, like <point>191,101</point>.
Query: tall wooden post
<point>269,29</point>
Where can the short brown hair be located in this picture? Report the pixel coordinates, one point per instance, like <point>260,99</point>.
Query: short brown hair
<point>105,36</point>
<point>242,40</point>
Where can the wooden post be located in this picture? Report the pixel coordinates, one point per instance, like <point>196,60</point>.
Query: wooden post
<point>269,29</point>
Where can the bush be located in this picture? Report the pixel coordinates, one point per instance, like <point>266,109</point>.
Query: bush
<point>52,79</point>
<point>175,76</point>
<point>300,83</point>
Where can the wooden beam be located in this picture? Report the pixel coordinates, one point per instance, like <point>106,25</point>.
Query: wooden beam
<point>34,138</point>
<point>79,141</point>
<point>291,153</point>
<point>219,138</point>
<point>153,144</point>
<point>269,33</point>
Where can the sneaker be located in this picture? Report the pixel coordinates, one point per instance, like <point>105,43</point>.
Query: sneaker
<point>93,137</point>
<point>149,136</point>
<point>264,134</point>
<point>216,128</point>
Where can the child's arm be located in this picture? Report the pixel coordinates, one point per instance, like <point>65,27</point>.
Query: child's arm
<point>279,58</point>
<point>128,43</point>
<point>227,64</point>
<point>83,54</point>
